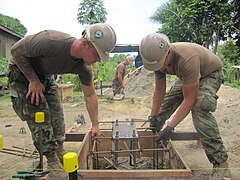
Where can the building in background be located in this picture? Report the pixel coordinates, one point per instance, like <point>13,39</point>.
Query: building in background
<point>7,39</point>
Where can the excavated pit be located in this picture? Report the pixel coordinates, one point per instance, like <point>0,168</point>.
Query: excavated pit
<point>128,152</point>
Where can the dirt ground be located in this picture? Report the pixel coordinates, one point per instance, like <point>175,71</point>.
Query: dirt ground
<point>137,104</point>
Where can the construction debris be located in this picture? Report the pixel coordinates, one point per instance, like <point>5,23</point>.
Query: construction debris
<point>19,151</point>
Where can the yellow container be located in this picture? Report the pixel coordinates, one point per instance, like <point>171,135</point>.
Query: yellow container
<point>39,117</point>
<point>1,142</point>
<point>70,161</point>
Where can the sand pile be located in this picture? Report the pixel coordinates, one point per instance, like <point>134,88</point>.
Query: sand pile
<point>140,83</point>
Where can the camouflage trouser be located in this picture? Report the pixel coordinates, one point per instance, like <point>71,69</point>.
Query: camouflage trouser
<point>203,120</point>
<point>53,128</point>
<point>117,87</point>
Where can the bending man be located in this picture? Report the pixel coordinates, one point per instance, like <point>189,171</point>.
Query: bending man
<point>35,59</point>
<point>200,76</point>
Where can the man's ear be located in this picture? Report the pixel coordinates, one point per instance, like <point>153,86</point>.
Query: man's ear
<point>89,44</point>
<point>85,42</point>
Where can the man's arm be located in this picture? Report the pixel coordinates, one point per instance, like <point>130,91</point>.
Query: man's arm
<point>158,96</point>
<point>120,79</point>
<point>92,107</point>
<point>190,98</point>
<point>35,88</point>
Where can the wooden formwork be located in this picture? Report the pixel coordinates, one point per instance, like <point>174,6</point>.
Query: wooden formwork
<point>177,167</point>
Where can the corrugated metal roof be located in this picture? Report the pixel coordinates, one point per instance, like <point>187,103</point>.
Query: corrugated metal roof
<point>9,31</point>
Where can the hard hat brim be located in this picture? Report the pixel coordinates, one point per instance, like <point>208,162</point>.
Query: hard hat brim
<point>154,67</point>
<point>103,56</point>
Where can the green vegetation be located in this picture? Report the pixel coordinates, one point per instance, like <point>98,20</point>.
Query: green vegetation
<point>105,70</point>
<point>4,99</point>
<point>3,71</point>
<point>229,54</point>
<point>73,79</point>
<point>91,11</point>
<point>3,65</point>
<point>13,23</point>
<point>205,22</point>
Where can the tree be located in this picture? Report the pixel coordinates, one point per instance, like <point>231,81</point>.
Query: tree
<point>202,21</point>
<point>91,11</point>
<point>229,52</point>
<point>13,23</point>
<point>234,30</point>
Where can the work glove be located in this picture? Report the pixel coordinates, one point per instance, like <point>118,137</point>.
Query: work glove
<point>165,136</point>
<point>154,124</point>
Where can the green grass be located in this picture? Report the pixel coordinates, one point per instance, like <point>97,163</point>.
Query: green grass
<point>4,98</point>
<point>234,84</point>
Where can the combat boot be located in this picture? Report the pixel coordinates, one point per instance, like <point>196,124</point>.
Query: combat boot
<point>55,167</point>
<point>221,170</point>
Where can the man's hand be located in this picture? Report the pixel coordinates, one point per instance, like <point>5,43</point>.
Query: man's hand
<point>165,136</point>
<point>95,131</point>
<point>36,90</point>
<point>155,125</point>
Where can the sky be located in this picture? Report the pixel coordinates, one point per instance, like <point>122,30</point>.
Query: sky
<point>129,18</point>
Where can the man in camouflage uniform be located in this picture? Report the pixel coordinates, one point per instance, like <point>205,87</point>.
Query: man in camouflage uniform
<point>118,84</point>
<point>35,59</point>
<point>200,76</point>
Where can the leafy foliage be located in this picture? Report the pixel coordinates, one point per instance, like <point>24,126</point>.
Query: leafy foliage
<point>13,24</point>
<point>3,65</point>
<point>202,21</point>
<point>73,79</point>
<point>106,70</point>
<point>229,54</point>
<point>91,11</point>
<point>103,71</point>
<point>3,70</point>
<point>234,30</point>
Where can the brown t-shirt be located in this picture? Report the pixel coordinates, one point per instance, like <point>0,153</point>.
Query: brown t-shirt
<point>49,53</point>
<point>121,68</point>
<point>191,62</point>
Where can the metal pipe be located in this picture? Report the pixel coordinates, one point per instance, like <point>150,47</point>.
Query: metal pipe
<point>125,138</point>
<point>133,150</point>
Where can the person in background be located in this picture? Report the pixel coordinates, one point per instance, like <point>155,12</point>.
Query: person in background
<point>199,76</point>
<point>35,60</point>
<point>118,84</point>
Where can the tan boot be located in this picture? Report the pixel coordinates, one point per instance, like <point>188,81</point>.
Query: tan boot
<point>55,167</point>
<point>221,170</point>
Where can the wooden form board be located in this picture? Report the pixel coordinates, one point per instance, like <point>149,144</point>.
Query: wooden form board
<point>66,90</point>
<point>179,167</point>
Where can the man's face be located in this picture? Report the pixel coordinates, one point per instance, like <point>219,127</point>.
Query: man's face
<point>166,64</point>
<point>91,55</point>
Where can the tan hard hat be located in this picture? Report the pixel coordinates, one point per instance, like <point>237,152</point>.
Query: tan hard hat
<point>130,59</point>
<point>153,50</point>
<point>103,38</point>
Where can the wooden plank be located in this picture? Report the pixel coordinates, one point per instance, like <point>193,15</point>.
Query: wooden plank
<point>17,153</point>
<point>125,174</point>
<point>75,137</point>
<point>185,136</point>
<point>84,150</point>
<point>176,136</point>
<point>180,160</point>
<point>73,128</point>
